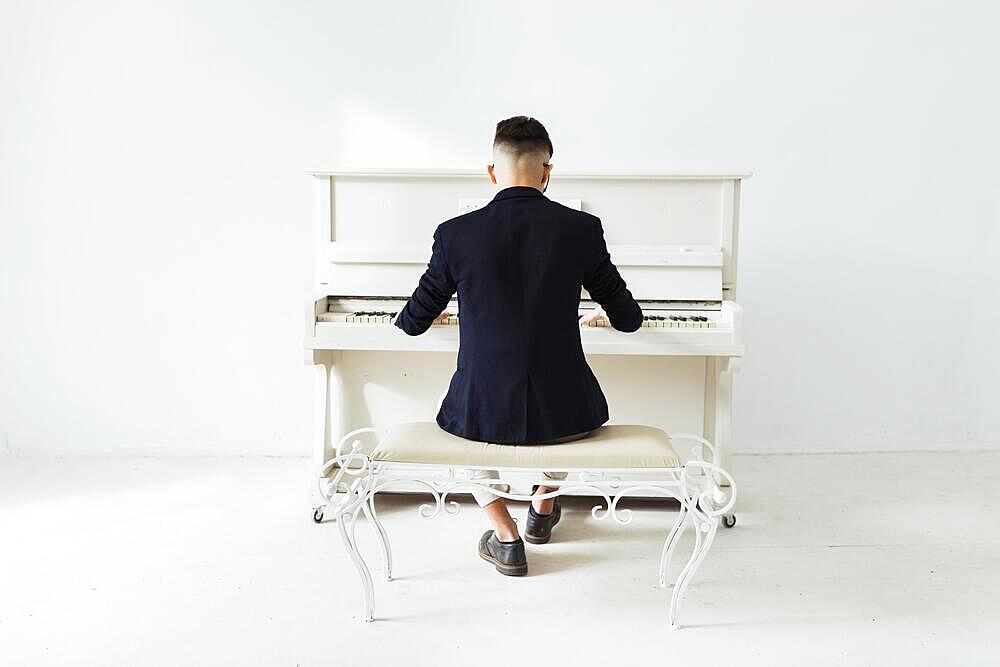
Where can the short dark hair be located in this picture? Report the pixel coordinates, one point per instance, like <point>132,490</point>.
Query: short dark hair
<point>521,135</point>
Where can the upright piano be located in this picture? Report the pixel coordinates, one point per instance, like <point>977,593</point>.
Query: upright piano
<point>672,236</point>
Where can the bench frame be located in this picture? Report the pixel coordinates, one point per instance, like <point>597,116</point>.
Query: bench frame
<point>350,480</point>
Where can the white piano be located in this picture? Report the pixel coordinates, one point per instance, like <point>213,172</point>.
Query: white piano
<point>672,236</point>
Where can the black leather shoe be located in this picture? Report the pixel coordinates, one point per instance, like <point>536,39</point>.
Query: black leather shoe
<point>539,528</point>
<point>508,557</point>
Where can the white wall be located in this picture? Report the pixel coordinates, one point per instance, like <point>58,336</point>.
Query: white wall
<point>155,221</point>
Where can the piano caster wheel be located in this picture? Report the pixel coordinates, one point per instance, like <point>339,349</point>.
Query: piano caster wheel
<point>728,520</point>
<point>318,514</point>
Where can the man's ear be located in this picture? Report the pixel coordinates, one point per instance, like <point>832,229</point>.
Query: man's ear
<point>493,176</point>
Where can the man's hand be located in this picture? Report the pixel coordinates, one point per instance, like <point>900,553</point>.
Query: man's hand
<point>440,319</point>
<point>595,318</point>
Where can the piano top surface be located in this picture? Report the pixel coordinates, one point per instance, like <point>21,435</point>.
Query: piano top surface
<point>572,175</point>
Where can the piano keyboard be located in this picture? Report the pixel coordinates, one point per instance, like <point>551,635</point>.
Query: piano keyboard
<point>650,319</point>
<point>663,321</point>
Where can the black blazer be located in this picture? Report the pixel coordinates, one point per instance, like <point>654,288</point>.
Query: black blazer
<point>518,264</point>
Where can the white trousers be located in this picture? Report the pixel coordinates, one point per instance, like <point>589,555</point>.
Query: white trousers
<point>483,495</point>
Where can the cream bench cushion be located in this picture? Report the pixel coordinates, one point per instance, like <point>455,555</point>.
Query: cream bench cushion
<point>614,446</point>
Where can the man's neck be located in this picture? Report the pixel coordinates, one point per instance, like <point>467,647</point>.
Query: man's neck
<point>519,183</point>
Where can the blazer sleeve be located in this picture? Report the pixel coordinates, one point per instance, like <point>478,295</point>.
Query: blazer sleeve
<point>606,286</point>
<point>434,290</point>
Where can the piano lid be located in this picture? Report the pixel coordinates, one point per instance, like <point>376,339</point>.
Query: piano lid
<point>673,236</point>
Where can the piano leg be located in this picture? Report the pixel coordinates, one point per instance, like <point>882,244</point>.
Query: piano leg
<point>718,418</point>
<point>318,439</point>
<point>328,415</point>
<point>318,435</point>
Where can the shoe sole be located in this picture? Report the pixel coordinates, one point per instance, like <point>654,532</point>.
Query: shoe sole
<point>504,568</point>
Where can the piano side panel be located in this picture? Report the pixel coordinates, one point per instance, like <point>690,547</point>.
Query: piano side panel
<point>730,234</point>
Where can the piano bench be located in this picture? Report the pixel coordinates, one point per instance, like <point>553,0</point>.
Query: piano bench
<point>418,453</point>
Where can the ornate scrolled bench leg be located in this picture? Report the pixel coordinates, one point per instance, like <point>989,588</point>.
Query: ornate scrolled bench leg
<point>689,567</point>
<point>671,543</point>
<point>701,506</point>
<point>703,543</point>
<point>383,537</point>
<point>347,522</point>
<point>710,527</point>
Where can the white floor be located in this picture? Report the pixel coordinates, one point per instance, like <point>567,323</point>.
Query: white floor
<point>870,559</point>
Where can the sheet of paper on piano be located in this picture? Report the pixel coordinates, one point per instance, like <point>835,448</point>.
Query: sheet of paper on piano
<point>467,204</point>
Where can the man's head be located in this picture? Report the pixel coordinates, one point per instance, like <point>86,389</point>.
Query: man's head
<point>521,153</point>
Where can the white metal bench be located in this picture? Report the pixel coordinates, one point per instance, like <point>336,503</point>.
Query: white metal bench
<point>415,454</point>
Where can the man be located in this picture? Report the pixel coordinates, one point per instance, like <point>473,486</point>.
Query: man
<point>522,378</point>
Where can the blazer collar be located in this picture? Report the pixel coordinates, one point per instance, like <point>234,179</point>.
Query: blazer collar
<point>518,191</point>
